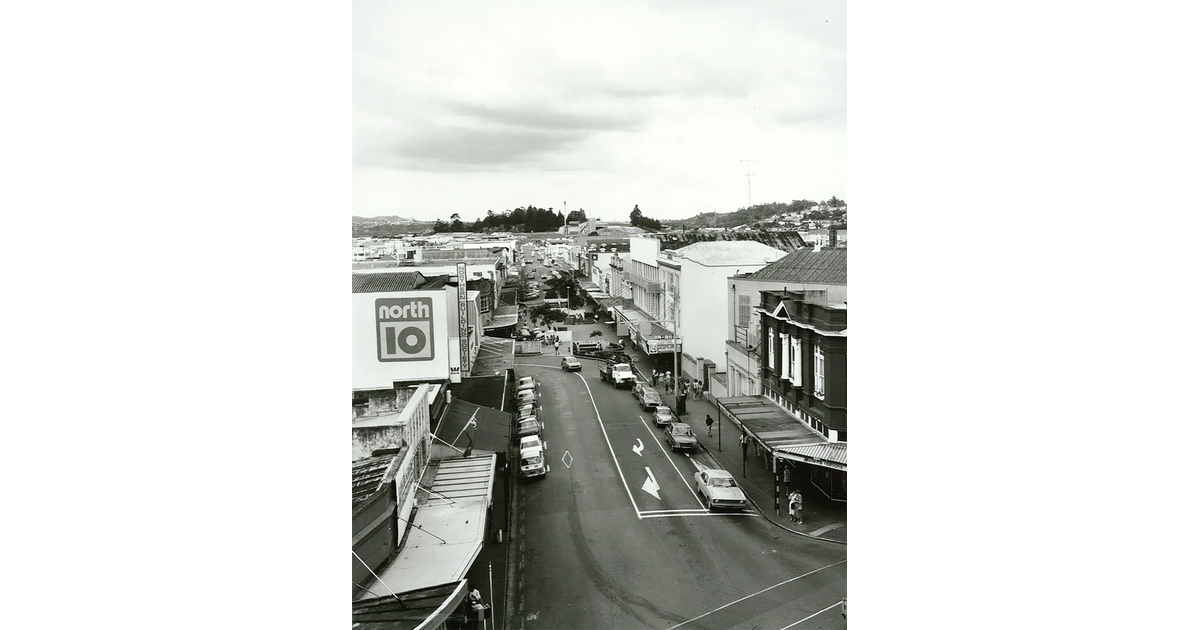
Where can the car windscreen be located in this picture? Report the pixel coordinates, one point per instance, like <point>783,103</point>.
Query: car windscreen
<point>531,461</point>
<point>723,482</point>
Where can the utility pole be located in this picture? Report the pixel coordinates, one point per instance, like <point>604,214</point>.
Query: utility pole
<point>748,174</point>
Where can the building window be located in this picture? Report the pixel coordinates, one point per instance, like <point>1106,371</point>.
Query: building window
<point>771,348</point>
<point>796,362</point>
<point>785,352</point>
<point>743,310</point>
<point>818,372</point>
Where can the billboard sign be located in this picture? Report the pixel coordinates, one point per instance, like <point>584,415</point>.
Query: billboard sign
<point>405,328</point>
<point>399,336</point>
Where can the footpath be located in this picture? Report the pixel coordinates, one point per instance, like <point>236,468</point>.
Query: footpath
<point>822,518</point>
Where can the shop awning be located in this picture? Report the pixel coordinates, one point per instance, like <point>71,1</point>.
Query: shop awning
<point>829,455</point>
<point>502,316</point>
<point>446,533</point>
<point>769,425</point>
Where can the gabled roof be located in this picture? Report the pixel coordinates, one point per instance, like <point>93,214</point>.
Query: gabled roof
<point>722,253</point>
<point>827,266</point>
<point>396,281</point>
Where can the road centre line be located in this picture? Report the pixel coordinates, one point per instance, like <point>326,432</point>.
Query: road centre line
<point>809,617</point>
<point>758,593</point>
<point>610,448</point>
<point>686,483</point>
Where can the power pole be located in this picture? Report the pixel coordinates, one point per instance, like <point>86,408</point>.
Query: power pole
<point>748,174</point>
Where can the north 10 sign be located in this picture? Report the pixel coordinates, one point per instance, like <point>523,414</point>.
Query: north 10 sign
<point>404,329</point>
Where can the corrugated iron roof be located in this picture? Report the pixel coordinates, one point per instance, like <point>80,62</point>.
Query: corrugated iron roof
<point>491,426</point>
<point>830,451</point>
<point>495,355</point>
<point>381,282</point>
<point>729,253</point>
<point>807,265</point>
<point>767,423</point>
<point>367,475</point>
<point>408,610</point>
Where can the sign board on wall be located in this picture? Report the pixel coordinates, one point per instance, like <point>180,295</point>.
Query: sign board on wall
<point>398,336</point>
<point>464,348</point>
<point>658,346</point>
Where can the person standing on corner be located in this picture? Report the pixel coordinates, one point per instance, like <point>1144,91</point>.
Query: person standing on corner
<point>708,421</point>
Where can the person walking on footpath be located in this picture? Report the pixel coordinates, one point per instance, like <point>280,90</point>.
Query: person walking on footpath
<point>708,421</point>
<point>556,346</point>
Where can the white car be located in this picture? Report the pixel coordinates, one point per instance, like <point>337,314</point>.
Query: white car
<point>663,416</point>
<point>526,395</point>
<point>718,490</point>
<point>526,382</point>
<point>533,457</point>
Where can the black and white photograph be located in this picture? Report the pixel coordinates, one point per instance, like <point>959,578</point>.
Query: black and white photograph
<point>600,308</point>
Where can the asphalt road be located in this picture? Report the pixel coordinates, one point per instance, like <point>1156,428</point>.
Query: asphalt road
<point>596,548</point>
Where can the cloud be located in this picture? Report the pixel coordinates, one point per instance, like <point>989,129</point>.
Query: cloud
<point>598,103</point>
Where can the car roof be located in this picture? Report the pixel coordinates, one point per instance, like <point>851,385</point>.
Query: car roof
<point>531,441</point>
<point>675,425</point>
<point>717,472</point>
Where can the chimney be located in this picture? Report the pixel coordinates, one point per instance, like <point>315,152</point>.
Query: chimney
<point>832,236</point>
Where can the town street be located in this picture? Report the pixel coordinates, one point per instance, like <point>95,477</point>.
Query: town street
<point>616,537</point>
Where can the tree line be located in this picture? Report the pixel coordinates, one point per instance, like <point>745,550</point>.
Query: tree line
<point>527,219</point>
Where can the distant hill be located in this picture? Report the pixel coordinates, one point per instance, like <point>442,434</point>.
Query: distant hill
<point>391,218</point>
<point>766,211</point>
<point>388,227</point>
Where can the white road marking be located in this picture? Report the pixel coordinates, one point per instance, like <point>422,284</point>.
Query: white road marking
<point>638,448</point>
<point>650,515</point>
<point>810,616</point>
<point>650,486</point>
<point>687,484</point>
<point>826,528</point>
<point>610,448</point>
<point>758,593</point>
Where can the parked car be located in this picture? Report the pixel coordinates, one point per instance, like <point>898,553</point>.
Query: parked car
<point>571,364</point>
<point>529,426</point>
<point>650,399</point>
<point>524,383</point>
<point>663,416</point>
<point>638,387</point>
<point>680,437</point>
<point>526,395</point>
<point>533,457</point>
<point>718,490</point>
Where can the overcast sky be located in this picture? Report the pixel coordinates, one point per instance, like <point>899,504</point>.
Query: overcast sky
<point>474,106</point>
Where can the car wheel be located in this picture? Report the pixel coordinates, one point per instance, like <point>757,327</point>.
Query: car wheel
<point>708,504</point>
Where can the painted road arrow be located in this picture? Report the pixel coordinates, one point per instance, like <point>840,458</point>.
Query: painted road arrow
<point>638,448</point>
<point>651,485</point>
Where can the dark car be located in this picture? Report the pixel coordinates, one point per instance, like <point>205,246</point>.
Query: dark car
<point>571,364</point>
<point>680,437</point>
<point>650,399</point>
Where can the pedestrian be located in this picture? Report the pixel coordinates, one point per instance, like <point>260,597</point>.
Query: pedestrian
<point>795,506</point>
<point>654,377</point>
<point>555,346</point>
<point>708,421</point>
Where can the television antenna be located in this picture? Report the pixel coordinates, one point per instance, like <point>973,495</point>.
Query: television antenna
<point>748,174</point>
